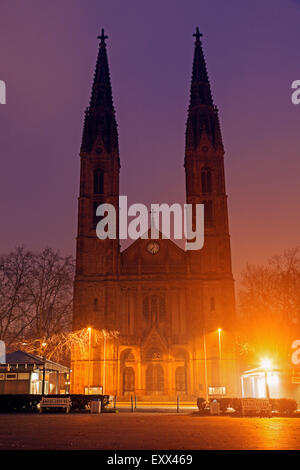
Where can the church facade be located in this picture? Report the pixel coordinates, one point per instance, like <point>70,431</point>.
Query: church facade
<point>173,310</point>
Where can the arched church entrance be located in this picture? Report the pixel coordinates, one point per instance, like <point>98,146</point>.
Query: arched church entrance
<point>128,373</point>
<point>154,379</point>
<point>128,380</point>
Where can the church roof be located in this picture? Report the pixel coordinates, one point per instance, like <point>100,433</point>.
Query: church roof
<point>160,238</point>
<point>140,259</point>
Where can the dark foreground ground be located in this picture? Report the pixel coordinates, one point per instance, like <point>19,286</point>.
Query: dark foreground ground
<point>146,431</point>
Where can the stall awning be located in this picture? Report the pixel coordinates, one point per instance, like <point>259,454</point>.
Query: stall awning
<point>22,358</point>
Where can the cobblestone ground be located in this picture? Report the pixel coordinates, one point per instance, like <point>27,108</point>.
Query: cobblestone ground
<point>146,431</point>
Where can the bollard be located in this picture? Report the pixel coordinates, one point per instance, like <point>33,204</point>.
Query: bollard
<point>115,401</point>
<point>135,402</point>
<point>177,403</point>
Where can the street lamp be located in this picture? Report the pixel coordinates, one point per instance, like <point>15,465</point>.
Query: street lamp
<point>205,365</point>
<point>89,366</point>
<point>220,349</point>
<point>220,357</point>
<point>266,364</point>
<point>205,358</point>
<point>104,359</point>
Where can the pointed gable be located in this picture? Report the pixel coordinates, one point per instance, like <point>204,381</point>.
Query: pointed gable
<point>147,256</point>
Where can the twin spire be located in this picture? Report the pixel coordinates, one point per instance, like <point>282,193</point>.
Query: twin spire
<point>100,118</point>
<point>101,91</point>
<point>100,115</point>
<point>202,114</point>
<point>200,86</point>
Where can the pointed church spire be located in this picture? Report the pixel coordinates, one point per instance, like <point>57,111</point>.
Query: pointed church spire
<point>200,87</point>
<point>100,115</point>
<point>202,114</point>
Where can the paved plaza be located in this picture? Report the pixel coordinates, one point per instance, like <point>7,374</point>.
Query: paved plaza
<point>159,431</point>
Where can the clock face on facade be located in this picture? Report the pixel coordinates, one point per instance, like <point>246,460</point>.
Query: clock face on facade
<point>153,248</point>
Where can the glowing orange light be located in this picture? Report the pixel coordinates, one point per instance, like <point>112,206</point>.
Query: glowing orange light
<point>273,379</point>
<point>266,363</point>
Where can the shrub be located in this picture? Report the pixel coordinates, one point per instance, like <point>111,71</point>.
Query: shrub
<point>201,403</point>
<point>10,403</point>
<point>19,402</point>
<point>226,403</point>
<point>285,406</point>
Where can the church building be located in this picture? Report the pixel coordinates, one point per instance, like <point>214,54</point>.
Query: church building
<point>173,310</point>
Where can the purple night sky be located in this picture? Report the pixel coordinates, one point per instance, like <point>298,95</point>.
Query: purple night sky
<point>48,53</point>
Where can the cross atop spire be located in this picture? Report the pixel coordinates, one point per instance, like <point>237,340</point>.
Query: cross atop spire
<point>197,35</point>
<point>102,37</point>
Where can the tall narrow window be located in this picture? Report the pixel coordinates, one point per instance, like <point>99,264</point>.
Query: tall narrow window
<point>96,305</point>
<point>98,182</point>
<point>154,309</point>
<point>206,180</point>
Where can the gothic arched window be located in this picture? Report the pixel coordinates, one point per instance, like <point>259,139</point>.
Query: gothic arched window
<point>96,305</point>
<point>130,357</point>
<point>98,181</point>
<point>154,308</point>
<point>206,180</point>
<point>154,355</point>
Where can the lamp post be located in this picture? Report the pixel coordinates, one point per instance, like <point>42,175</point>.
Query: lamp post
<point>205,358</point>
<point>43,345</point>
<point>220,348</point>
<point>89,366</point>
<point>220,357</point>
<point>104,359</point>
<point>266,364</point>
<point>267,385</point>
<point>205,365</point>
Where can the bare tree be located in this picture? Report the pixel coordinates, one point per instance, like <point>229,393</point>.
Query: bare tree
<point>269,304</point>
<point>50,293</point>
<point>14,302</point>
<point>59,346</point>
<point>35,294</point>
